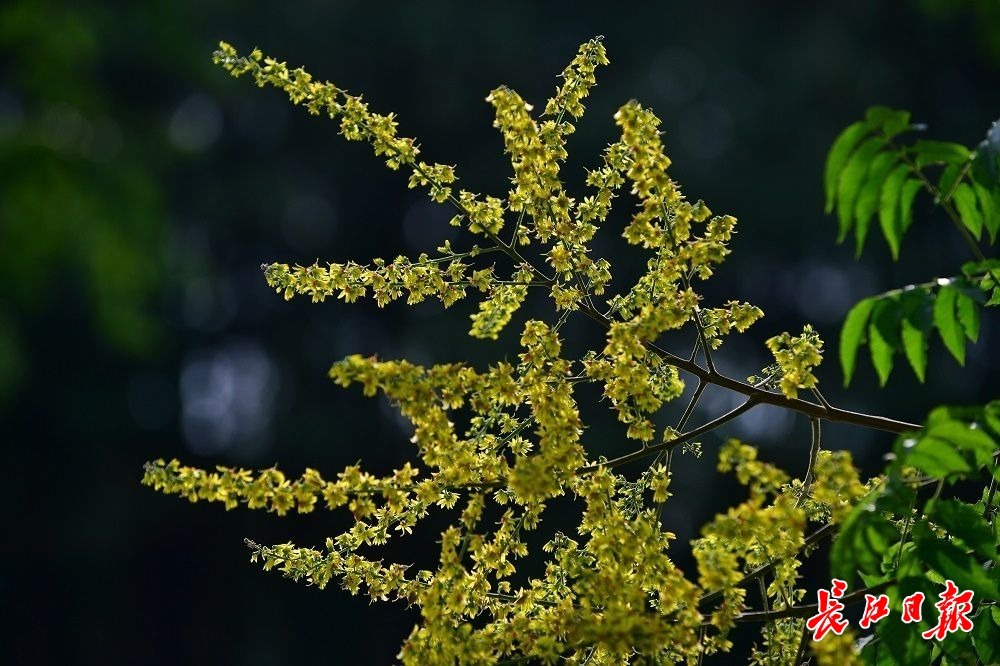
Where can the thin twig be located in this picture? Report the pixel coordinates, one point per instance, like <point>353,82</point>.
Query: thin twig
<point>813,455</point>
<point>808,609</point>
<point>813,538</point>
<point>666,446</point>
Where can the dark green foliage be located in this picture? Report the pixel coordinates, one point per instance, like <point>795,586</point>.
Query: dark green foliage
<point>869,171</point>
<point>894,539</point>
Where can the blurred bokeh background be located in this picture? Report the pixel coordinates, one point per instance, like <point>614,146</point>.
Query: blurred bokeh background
<point>141,188</point>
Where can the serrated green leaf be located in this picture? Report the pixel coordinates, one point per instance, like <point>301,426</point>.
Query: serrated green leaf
<point>889,208</point>
<point>836,159</point>
<point>947,323</point>
<point>851,179</point>
<point>910,190</point>
<point>963,521</point>
<point>937,457</point>
<point>968,210</point>
<point>939,152</point>
<point>890,121</point>
<point>869,196</point>
<point>882,336</point>
<point>968,316</point>
<point>914,329</point>
<point>952,563</point>
<point>989,203</point>
<point>852,335</point>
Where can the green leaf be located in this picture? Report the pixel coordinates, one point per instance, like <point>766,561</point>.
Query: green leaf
<point>947,323</point>
<point>889,208</point>
<point>900,643</point>
<point>971,268</point>
<point>956,648</point>
<point>991,412</point>
<point>852,335</point>
<point>939,152</point>
<point>869,196</point>
<point>915,326</point>
<point>883,336</point>
<point>949,177</point>
<point>864,537</point>
<point>851,179</point>
<point>936,457</point>
<point>963,521</point>
<point>890,121</point>
<point>910,190</point>
<point>968,316</point>
<point>986,637</point>
<point>989,203</point>
<point>951,562</point>
<point>836,159</point>
<point>965,202</point>
<point>967,437</point>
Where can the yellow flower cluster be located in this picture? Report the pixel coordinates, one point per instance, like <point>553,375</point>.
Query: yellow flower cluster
<point>796,358</point>
<point>497,445</point>
<point>768,530</point>
<point>269,489</point>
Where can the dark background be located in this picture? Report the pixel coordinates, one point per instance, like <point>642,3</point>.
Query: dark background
<point>141,188</point>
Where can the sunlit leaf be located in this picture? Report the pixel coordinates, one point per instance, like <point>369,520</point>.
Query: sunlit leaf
<point>869,196</point>
<point>963,436</point>
<point>916,324</point>
<point>889,208</point>
<point>968,211</point>
<point>852,335</point>
<point>882,337</point>
<point>851,179</point>
<point>947,322</point>
<point>968,315</point>
<point>836,159</point>
<point>989,204</point>
<point>910,190</point>
<point>937,457</point>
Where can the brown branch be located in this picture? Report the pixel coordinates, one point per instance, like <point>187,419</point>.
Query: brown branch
<point>766,397</point>
<point>666,446</point>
